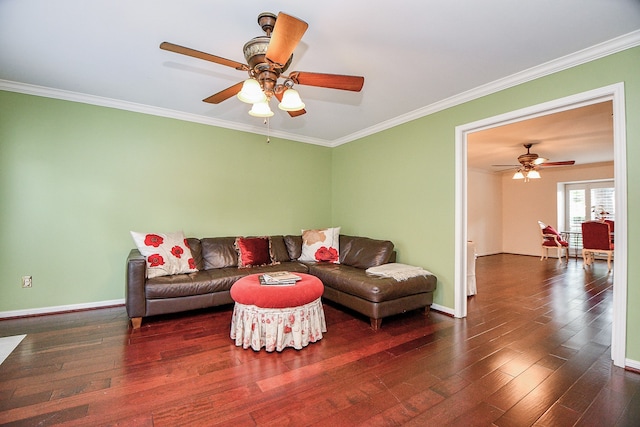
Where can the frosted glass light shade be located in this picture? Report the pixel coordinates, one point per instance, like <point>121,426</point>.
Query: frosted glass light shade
<point>261,109</point>
<point>251,92</point>
<point>518,175</point>
<point>291,101</point>
<point>533,174</point>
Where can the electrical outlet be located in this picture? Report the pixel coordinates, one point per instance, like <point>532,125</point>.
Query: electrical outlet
<point>27,281</point>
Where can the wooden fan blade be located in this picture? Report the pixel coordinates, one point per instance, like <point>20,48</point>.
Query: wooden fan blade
<point>297,113</point>
<point>565,163</point>
<point>291,113</point>
<point>202,55</point>
<point>332,81</point>
<point>225,94</point>
<point>286,35</point>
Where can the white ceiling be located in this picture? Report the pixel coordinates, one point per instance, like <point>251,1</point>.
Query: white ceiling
<point>583,134</point>
<point>417,56</point>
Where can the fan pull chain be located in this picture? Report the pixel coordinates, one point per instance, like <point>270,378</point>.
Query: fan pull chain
<point>268,123</point>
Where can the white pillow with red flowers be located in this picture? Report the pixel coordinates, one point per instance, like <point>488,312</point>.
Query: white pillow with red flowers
<point>321,245</point>
<point>166,254</point>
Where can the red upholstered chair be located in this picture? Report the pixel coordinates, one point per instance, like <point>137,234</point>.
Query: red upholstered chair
<point>551,239</point>
<point>596,239</point>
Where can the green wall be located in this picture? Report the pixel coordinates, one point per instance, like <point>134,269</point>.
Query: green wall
<point>75,179</point>
<point>400,183</point>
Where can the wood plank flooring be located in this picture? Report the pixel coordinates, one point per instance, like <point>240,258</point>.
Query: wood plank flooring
<point>534,351</point>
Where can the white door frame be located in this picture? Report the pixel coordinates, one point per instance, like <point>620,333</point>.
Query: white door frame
<point>614,93</point>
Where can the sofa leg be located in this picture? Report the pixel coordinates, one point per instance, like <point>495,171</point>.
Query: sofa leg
<point>375,323</point>
<point>136,322</point>
<point>426,310</point>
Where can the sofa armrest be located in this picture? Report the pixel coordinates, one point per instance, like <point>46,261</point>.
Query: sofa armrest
<point>135,281</point>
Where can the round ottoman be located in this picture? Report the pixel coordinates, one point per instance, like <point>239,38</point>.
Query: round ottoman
<point>277,316</point>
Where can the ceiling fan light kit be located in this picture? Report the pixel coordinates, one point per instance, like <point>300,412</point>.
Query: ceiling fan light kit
<point>533,174</point>
<point>291,101</point>
<point>251,92</point>
<point>526,174</point>
<point>529,162</point>
<point>268,57</point>
<point>261,109</point>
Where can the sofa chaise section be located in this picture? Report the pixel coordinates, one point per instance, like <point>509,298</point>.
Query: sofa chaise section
<point>348,283</point>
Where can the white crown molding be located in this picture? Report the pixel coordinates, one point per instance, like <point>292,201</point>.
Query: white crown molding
<point>592,53</point>
<point>65,95</point>
<point>609,47</point>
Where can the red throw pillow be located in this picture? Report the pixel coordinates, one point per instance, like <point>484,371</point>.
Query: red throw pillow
<point>550,230</point>
<point>252,251</point>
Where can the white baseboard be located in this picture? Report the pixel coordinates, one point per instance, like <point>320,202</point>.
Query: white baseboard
<point>59,308</point>
<point>442,309</point>
<point>633,364</point>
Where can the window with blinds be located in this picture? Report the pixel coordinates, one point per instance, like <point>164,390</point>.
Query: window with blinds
<point>587,201</point>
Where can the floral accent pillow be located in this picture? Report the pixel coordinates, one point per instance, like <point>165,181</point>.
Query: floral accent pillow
<point>321,245</point>
<point>253,251</point>
<point>166,254</point>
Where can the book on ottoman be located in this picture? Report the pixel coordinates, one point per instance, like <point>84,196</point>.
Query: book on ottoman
<point>279,278</point>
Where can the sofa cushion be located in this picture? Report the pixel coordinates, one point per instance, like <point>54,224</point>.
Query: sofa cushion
<point>252,251</point>
<point>196,252</point>
<point>363,252</point>
<point>185,285</point>
<point>278,249</point>
<point>294,246</point>
<point>165,253</point>
<point>209,281</point>
<point>290,266</point>
<point>219,252</point>
<point>322,245</point>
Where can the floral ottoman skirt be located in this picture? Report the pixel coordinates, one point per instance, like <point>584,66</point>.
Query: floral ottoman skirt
<point>277,328</point>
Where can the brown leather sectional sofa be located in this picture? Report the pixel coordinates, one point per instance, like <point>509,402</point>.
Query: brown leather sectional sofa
<point>346,283</point>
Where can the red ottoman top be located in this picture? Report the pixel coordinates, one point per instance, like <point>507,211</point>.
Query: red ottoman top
<point>249,291</point>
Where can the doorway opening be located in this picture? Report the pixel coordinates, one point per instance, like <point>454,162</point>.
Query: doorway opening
<point>614,93</point>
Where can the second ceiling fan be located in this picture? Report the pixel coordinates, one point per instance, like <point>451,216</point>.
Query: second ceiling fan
<point>530,162</point>
<point>268,57</point>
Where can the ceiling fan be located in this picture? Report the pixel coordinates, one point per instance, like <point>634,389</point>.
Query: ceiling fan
<point>530,162</point>
<point>268,57</point>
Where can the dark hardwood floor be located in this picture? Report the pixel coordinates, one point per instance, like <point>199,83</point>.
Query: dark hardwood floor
<point>534,350</point>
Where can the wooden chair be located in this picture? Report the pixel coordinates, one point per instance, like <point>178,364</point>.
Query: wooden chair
<point>611,225</point>
<point>551,239</point>
<point>611,228</point>
<point>596,239</point>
